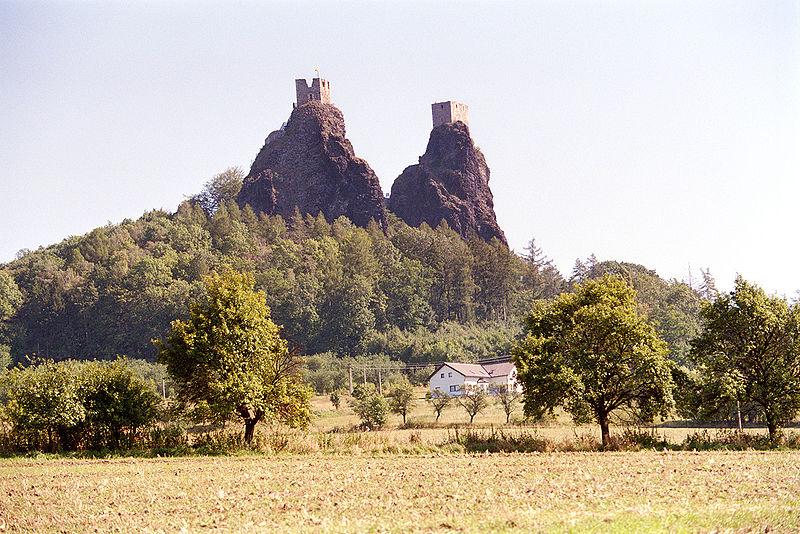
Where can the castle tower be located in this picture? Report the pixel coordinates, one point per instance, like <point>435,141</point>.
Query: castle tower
<point>319,90</point>
<point>450,111</point>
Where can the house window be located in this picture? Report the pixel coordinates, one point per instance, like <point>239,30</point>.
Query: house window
<point>442,375</point>
<point>453,389</point>
<point>449,375</point>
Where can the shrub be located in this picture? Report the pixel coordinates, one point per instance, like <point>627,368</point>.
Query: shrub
<point>336,399</point>
<point>500,441</point>
<point>118,403</point>
<point>42,404</point>
<point>370,406</point>
<point>637,439</point>
<point>74,405</point>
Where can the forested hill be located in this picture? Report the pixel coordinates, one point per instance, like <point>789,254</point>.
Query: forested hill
<point>413,293</point>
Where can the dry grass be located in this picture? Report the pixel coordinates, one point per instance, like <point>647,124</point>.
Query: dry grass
<point>624,492</point>
<point>559,430</point>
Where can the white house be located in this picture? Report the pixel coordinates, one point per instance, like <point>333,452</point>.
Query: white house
<point>453,378</point>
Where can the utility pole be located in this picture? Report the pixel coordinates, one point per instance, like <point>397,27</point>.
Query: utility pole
<point>350,377</point>
<point>380,382</point>
<point>739,414</point>
<point>364,370</point>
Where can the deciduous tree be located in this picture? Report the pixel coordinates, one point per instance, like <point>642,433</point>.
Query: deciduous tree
<point>230,354</point>
<point>591,352</point>
<point>749,351</point>
<point>401,398</point>
<point>438,401</point>
<point>370,406</point>
<point>507,399</point>
<point>474,401</point>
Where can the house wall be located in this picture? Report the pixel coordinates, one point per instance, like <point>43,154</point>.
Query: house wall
<point>509,381</point>
<point>454,378</point>
<point>443,384</point>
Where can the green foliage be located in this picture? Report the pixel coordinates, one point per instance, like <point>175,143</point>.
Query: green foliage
<point>10,296</point>
<point>118,402</point>
<point>332,286</point>
<point>673,307</point>
<point>370,406</point>
<point>593,353</point>
<point>328,372</point>
<point>42,402</point>
<point>220,189</point>
<point>230,355</point>
<point>336,399</point>
<point>72,405</point>
<point>749,350</point>
<point>474,401</point>
<point>5,357</point>
<point>401,398</point>
<point>450,342</point>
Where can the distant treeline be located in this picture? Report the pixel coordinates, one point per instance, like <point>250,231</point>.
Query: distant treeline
<point>415,294</point>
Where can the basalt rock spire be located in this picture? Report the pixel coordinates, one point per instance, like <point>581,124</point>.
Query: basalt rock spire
<point>450,182</point>
<point>310,165</point>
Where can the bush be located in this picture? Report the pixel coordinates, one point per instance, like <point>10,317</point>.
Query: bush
<point>336,399</point>
<point>500,441</point>
<point>118,403</point>
<point>370,406</point>
<point>42,405</point>
<point>634,439</point>
<point>736,441</point>
<point>76,405</point>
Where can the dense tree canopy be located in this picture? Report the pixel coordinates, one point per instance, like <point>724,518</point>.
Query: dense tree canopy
<point>331,286</point>
<point>416,294</point>
<point>593,353</point>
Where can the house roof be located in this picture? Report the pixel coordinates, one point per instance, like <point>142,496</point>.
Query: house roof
<point>475,370</point>
<point>469,369</point>
<point>499,369</point>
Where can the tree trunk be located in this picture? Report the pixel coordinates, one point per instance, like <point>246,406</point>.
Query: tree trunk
<point>251,419</point>
<point>508,417</point>
<point>471,417</point>
<point>772,427</point>
<point>249,429</point>
<point>605,435</point>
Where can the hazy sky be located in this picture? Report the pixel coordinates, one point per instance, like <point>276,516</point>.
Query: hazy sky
<point>663,133</point>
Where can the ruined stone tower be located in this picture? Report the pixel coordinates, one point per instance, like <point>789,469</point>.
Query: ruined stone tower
<point>447,112</point>
<point>320,91</point>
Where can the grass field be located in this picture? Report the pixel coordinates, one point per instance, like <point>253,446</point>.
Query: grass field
<point>333,478</point>
<point>559,429</point>
<point>580,492</point>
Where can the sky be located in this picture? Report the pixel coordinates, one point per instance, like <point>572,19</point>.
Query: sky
<point>661,133</point>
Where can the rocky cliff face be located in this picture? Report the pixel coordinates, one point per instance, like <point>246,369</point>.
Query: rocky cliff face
<point>310,165</point>
<point>451,183</point>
